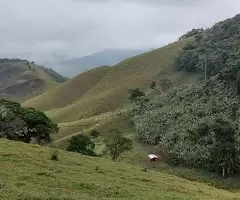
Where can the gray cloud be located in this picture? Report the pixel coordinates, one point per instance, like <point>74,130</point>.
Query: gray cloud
<point>36,29</point>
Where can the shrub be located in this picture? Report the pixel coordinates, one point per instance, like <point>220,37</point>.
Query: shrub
<point>55,155</point>
<point>135,94</point>
<point>94,133</point>
<point>153,85</point>
<point>82,144</point>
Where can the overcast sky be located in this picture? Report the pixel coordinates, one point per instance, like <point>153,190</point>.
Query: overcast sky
<point>37,28</point>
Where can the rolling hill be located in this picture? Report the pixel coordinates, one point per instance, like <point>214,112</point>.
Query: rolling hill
<point>98,98</point>
<point>29,173</point>
<point>109,57</point>
<point>105,89</point>
<point>21,80</point>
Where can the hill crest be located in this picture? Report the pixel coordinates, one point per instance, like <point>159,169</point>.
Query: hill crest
<point>21,79</point>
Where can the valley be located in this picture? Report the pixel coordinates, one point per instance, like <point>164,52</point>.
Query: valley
<point>180,102</point>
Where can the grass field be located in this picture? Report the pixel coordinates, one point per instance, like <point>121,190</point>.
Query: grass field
<point>29,173</point>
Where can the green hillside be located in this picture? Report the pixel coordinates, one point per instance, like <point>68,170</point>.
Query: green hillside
<point>21,80</point>
<point>29,173</point>
<point>106,89</point>
<point>198,125</point>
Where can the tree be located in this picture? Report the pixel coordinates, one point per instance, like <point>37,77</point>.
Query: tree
<point>193,32</point>
<point>165,84</point>
<point>12,128</point>
<point>39,126</point>
<point>135,94</point>
<point>82,144</point>
<point>153,85</point>
<point>24,124</point>
<point>117,145</point>
<point>94,133</point>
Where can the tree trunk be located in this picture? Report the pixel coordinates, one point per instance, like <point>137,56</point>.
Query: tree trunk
<point>223,171</point>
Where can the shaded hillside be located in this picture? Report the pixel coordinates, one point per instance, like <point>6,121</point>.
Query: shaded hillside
<point>21,80</point>
<point>111,91</point>
<point>109,57</point>
<point>29,173</point>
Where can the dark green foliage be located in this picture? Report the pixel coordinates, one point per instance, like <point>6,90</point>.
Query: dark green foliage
<point>219,46</point>
<point>39,126</point>
<point>153,85</point>
<point>24,124</point>
<point>238,83</point>
<point>135,94</point>
<point>197,125</point>
<point>192,123</point>
<point>82,144</point>
<point>94,133</point>
<point>118,144</point>
<point>193,32</point>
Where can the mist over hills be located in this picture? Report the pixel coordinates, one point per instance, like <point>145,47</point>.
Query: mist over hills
<point>73,66</point>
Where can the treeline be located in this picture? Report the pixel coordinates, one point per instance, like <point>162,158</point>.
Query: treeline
<point>13,60</point>
<point>56,76</point>
<point>213,50</point>
<point>198,125</point>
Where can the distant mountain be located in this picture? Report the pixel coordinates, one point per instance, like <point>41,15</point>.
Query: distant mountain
<point>21,79</point>
<point>108,57</point>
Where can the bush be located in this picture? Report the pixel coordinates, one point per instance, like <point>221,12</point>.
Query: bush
<point>136,94</point>
<point>153,85</point>
<point>94,133</point>
<point>55,155</point>
<point>82,144</point>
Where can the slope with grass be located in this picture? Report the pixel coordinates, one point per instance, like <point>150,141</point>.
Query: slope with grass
<point>69,92</point>
<point>21,80</point>
<point>109,91</point>
<point>29,173</point>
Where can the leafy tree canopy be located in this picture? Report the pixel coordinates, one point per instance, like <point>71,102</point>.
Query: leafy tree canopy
<point>118,144</point>
<point>82,144</point>
<point>25,124</point>
<point>135,94</point>
<point>216,51</point>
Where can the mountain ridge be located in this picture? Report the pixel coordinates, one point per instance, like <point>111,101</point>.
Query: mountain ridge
<point>21,79</point>
<point>107,57</point>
